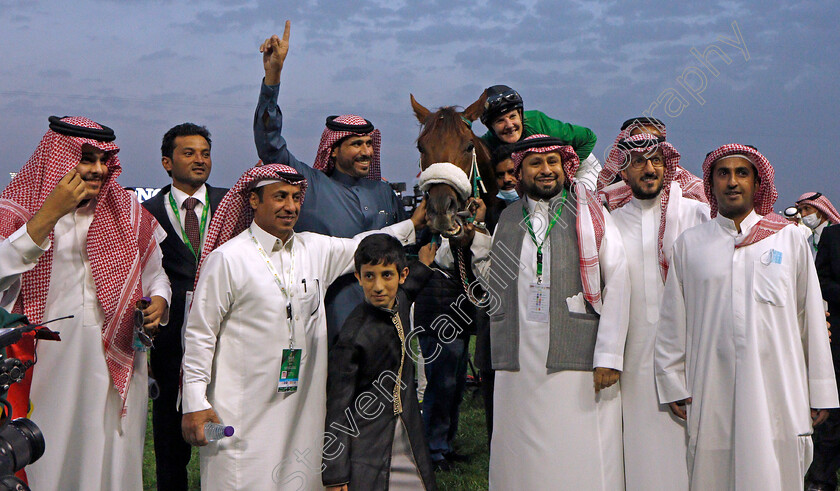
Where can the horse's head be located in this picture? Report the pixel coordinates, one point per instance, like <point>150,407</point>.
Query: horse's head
<point>447,136</point>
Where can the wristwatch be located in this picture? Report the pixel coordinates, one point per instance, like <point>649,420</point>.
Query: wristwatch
<point>480,225</point>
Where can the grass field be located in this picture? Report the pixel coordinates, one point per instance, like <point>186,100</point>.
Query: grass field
<point>471,440</point>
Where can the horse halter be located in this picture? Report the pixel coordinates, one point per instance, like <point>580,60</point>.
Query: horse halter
<point>475,177</point>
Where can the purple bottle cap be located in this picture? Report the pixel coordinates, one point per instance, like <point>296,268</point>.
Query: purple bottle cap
<point>228,430</point>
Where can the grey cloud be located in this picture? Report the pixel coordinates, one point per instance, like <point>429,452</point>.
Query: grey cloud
<point>351,74</point>
<point>163,54</point>
<point>234,89</point>
<point>55,73</point>
<point>476,59</point>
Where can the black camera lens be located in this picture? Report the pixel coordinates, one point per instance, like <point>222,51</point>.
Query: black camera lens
<point>21,443</point>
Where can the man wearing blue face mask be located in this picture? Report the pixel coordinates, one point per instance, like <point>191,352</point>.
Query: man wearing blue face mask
<point>506,179</point>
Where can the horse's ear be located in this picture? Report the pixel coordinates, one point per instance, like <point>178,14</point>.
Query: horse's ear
<point>419,111</point>
<point>476,109</point>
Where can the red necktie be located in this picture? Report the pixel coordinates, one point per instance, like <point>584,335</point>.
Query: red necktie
<point>191,224</point>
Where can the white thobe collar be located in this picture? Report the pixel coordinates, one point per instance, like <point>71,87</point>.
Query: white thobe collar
<point>746,225</point>
<point>536,206</point>
<point>200,194</point>
<point>269,242</point>
<point>645,204</point>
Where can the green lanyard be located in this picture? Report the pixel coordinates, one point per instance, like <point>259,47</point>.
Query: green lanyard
<point>547,230</point>
<point>200,227</point>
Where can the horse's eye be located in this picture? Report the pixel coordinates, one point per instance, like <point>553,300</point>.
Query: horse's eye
<point>470,147</point>
<point>420,148</point>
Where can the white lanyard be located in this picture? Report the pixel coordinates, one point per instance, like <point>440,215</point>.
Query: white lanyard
<point>283,288</point>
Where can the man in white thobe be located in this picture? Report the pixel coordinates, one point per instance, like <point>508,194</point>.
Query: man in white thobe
<point>559,305</point>
<point>81,245</point>
<point>259,295</point>
<point>654,440</point>
<point>742,348</point>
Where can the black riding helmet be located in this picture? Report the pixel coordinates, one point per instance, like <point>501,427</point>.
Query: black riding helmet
<point>500,100</point>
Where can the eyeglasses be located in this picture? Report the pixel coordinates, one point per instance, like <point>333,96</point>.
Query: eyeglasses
<point>508,96</point>
<point>641,162</point>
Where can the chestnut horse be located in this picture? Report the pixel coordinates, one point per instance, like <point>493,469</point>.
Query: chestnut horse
<point>446,136</point>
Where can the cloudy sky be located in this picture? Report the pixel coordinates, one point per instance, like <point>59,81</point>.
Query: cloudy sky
<point>143,66</point>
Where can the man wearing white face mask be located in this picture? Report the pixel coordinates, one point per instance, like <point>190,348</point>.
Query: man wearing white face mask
<point>817,213</point>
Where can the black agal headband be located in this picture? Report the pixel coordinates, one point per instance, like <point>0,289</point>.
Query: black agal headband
<point>352,128</point>
<point>627,144</point>
<point>529,143</point>
<point>644,121</point>
<point>106,134</point>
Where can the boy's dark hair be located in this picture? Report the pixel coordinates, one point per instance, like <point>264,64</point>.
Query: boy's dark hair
<point>167,146</point>
<point>380,249</point>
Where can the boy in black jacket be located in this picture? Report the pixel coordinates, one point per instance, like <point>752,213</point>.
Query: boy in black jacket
<point>378,430</point>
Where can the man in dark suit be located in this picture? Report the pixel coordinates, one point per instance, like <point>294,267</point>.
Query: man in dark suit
<point>183,209</point>
<point>823,472</point>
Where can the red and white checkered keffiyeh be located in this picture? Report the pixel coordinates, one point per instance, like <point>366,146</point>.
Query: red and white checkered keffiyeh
<point>119,242</point>
<point>672,167</point>
<point>618,195</point>
<point>331,137</point>
<point>234,213</point>
<point>765,195</point>
<point>823,204</point>
<point>615,159</point>
<point>589,217</point>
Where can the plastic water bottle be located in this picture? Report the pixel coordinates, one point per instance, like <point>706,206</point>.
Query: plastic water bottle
<point>216,431</point>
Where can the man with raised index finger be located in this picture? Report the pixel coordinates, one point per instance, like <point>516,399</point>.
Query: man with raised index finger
<point>347,195</point>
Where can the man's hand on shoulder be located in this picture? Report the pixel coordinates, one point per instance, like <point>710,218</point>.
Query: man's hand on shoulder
<point>274,52</point>
<point>192,426</point>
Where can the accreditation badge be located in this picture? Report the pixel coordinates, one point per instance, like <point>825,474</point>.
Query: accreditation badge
<point>538,300</point>
<point>289,370</point>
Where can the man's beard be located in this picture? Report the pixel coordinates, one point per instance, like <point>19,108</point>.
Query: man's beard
<point>541,193</point>
<point>642,194</point>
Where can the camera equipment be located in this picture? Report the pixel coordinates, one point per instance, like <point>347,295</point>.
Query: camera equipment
<point>21,441</point>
